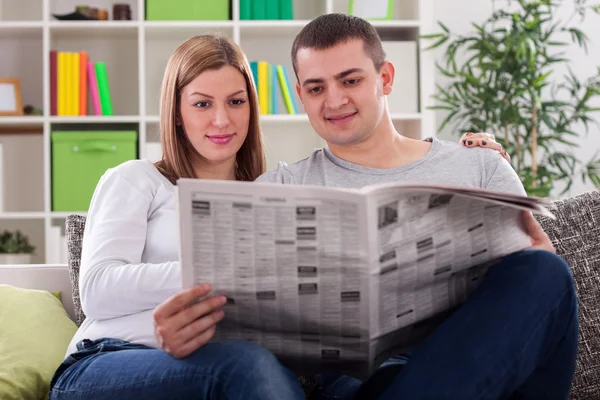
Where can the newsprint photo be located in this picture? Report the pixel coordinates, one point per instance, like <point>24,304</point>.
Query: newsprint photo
<point>340,279</point>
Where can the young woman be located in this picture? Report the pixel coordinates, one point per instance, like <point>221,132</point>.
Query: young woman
<point>144,337</point>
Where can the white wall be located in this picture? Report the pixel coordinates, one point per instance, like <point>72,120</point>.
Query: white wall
<point>458,16</point>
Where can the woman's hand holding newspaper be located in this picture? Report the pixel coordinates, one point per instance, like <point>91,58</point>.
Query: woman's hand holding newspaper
<point>182,324</point>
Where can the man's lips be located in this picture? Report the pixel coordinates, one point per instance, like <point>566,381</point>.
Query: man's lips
<point>341,117</point>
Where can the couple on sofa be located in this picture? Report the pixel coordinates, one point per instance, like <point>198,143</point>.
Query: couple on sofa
<point>144,337</point>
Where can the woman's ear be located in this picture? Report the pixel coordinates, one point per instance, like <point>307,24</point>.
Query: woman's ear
<point>387,73</point>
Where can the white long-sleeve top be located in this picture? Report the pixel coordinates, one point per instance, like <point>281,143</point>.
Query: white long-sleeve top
<point>129,254</point>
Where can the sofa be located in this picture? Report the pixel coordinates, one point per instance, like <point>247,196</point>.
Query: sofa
<point>575,233</point>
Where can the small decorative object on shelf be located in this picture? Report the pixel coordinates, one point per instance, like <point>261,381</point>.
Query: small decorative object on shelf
<point>15,248</point>
<point>121,12</point>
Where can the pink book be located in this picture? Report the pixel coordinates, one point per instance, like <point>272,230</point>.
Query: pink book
<point>93,85</point>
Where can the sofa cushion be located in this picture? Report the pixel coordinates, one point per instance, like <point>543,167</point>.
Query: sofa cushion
<point>576,236</point>
<point>34,335</point>
<point>74,227</point>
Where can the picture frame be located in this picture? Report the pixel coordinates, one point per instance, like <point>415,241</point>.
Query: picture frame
<point>372,10</point>
<point>11,102</point>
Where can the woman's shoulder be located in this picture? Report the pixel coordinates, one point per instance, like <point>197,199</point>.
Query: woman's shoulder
<point>140,174</point>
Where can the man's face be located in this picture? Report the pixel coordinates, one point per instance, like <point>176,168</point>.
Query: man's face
<point>342,93</point>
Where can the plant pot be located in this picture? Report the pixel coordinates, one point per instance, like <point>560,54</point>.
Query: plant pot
<point>13,259</point>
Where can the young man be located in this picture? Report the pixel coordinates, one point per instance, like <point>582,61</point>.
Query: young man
<point>516,335</point>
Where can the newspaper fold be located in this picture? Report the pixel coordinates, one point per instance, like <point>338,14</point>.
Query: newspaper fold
<point>341,279</point>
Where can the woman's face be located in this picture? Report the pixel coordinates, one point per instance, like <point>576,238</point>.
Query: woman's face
<point>215,113</point>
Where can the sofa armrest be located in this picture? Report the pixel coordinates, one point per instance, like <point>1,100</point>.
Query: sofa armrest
<point>50,277</point>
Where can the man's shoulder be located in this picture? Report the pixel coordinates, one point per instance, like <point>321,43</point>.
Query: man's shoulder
<point>469,156</point>
<point>292,173</point>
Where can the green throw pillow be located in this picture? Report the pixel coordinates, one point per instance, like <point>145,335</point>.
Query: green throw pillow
<point>35,331</point>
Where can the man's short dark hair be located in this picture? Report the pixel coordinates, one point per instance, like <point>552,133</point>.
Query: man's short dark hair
<point>329,30</point>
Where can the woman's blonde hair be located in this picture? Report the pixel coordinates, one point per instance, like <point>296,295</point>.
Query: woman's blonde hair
<point>194,56</point>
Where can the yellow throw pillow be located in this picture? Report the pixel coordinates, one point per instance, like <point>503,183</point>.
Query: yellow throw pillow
<point>35,331</point>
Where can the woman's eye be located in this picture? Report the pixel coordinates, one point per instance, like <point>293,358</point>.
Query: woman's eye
<point>202,104</point>
<point>238,102</point>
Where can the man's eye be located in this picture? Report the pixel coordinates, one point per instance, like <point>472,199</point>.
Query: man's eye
<point>352,81</point>
<point>314,90</point>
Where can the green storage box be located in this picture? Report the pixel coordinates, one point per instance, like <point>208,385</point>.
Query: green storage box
<point>79,159</point>
<point>188,10</point>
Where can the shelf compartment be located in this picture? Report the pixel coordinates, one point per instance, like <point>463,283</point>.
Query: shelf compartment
<point>33,229</point>
<point>20,10</point>
<point>23,173</point>
<point>118,49</point>
<point>60,7</point>
<point>288,143</point>
<point>24,44</point>
<point>403,9</point>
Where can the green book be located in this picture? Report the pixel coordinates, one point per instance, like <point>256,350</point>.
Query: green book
<point>103,88</point>
<point>286,9</point>
<point>259,9</point>
<point>245,10</point>
<point>273,9</point>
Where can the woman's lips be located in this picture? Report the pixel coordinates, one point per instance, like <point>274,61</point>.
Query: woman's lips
<point>220,139</point>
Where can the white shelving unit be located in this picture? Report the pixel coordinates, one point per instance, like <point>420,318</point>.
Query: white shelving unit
<point>136,53</point>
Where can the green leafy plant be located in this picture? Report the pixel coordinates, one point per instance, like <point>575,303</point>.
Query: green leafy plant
<point>507,86</point>
<point>15,243</point>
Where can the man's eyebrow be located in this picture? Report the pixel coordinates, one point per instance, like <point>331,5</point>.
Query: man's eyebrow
<point>211,97</point>
<point>340,75</point>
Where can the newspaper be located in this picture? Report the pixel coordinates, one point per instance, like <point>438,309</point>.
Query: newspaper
<point>334,279</point>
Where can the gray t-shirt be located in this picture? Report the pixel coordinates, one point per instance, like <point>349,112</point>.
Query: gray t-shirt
<point>446,163</point>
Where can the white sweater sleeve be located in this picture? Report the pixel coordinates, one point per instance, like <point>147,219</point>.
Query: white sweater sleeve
<point>112,281</point>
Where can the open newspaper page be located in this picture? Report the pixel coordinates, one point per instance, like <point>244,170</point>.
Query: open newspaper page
<point>431,247</point>
<point>293,262</point>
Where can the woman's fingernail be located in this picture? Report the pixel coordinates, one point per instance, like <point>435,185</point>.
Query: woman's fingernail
<point>470,142</point>
<point>483,142</point>
<point>469,133</point>
<point>465,141</point>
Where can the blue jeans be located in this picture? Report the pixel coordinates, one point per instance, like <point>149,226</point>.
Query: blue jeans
<point>514,338</point>
<point>115,369</point>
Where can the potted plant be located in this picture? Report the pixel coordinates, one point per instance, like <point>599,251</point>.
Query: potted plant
<point>508,86</point>
<point>15,248</point>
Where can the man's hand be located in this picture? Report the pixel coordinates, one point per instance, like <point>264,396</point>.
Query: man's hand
<point>539,238</point>
<point>182,325</point>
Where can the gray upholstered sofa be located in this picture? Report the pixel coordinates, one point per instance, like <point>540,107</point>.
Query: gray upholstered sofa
<point>575,234</point>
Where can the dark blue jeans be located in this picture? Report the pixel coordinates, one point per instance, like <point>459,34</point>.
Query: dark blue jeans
<point>115,369</point>
<point>514,338</point>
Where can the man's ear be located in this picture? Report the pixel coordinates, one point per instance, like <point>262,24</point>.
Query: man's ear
<point>299,90</point>
<point>387,73</point>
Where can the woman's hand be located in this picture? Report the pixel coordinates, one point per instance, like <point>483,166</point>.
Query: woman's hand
<point>182,325</point>
<point>483,139</point>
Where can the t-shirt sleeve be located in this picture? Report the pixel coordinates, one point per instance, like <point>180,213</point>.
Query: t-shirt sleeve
<point>501,177</point>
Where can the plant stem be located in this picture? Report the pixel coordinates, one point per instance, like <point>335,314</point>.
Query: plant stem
<point>519,150</point>
<point>534,133</point>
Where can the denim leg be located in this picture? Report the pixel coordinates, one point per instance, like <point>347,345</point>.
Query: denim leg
<point>515,335</point>
<point>221,370</point>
